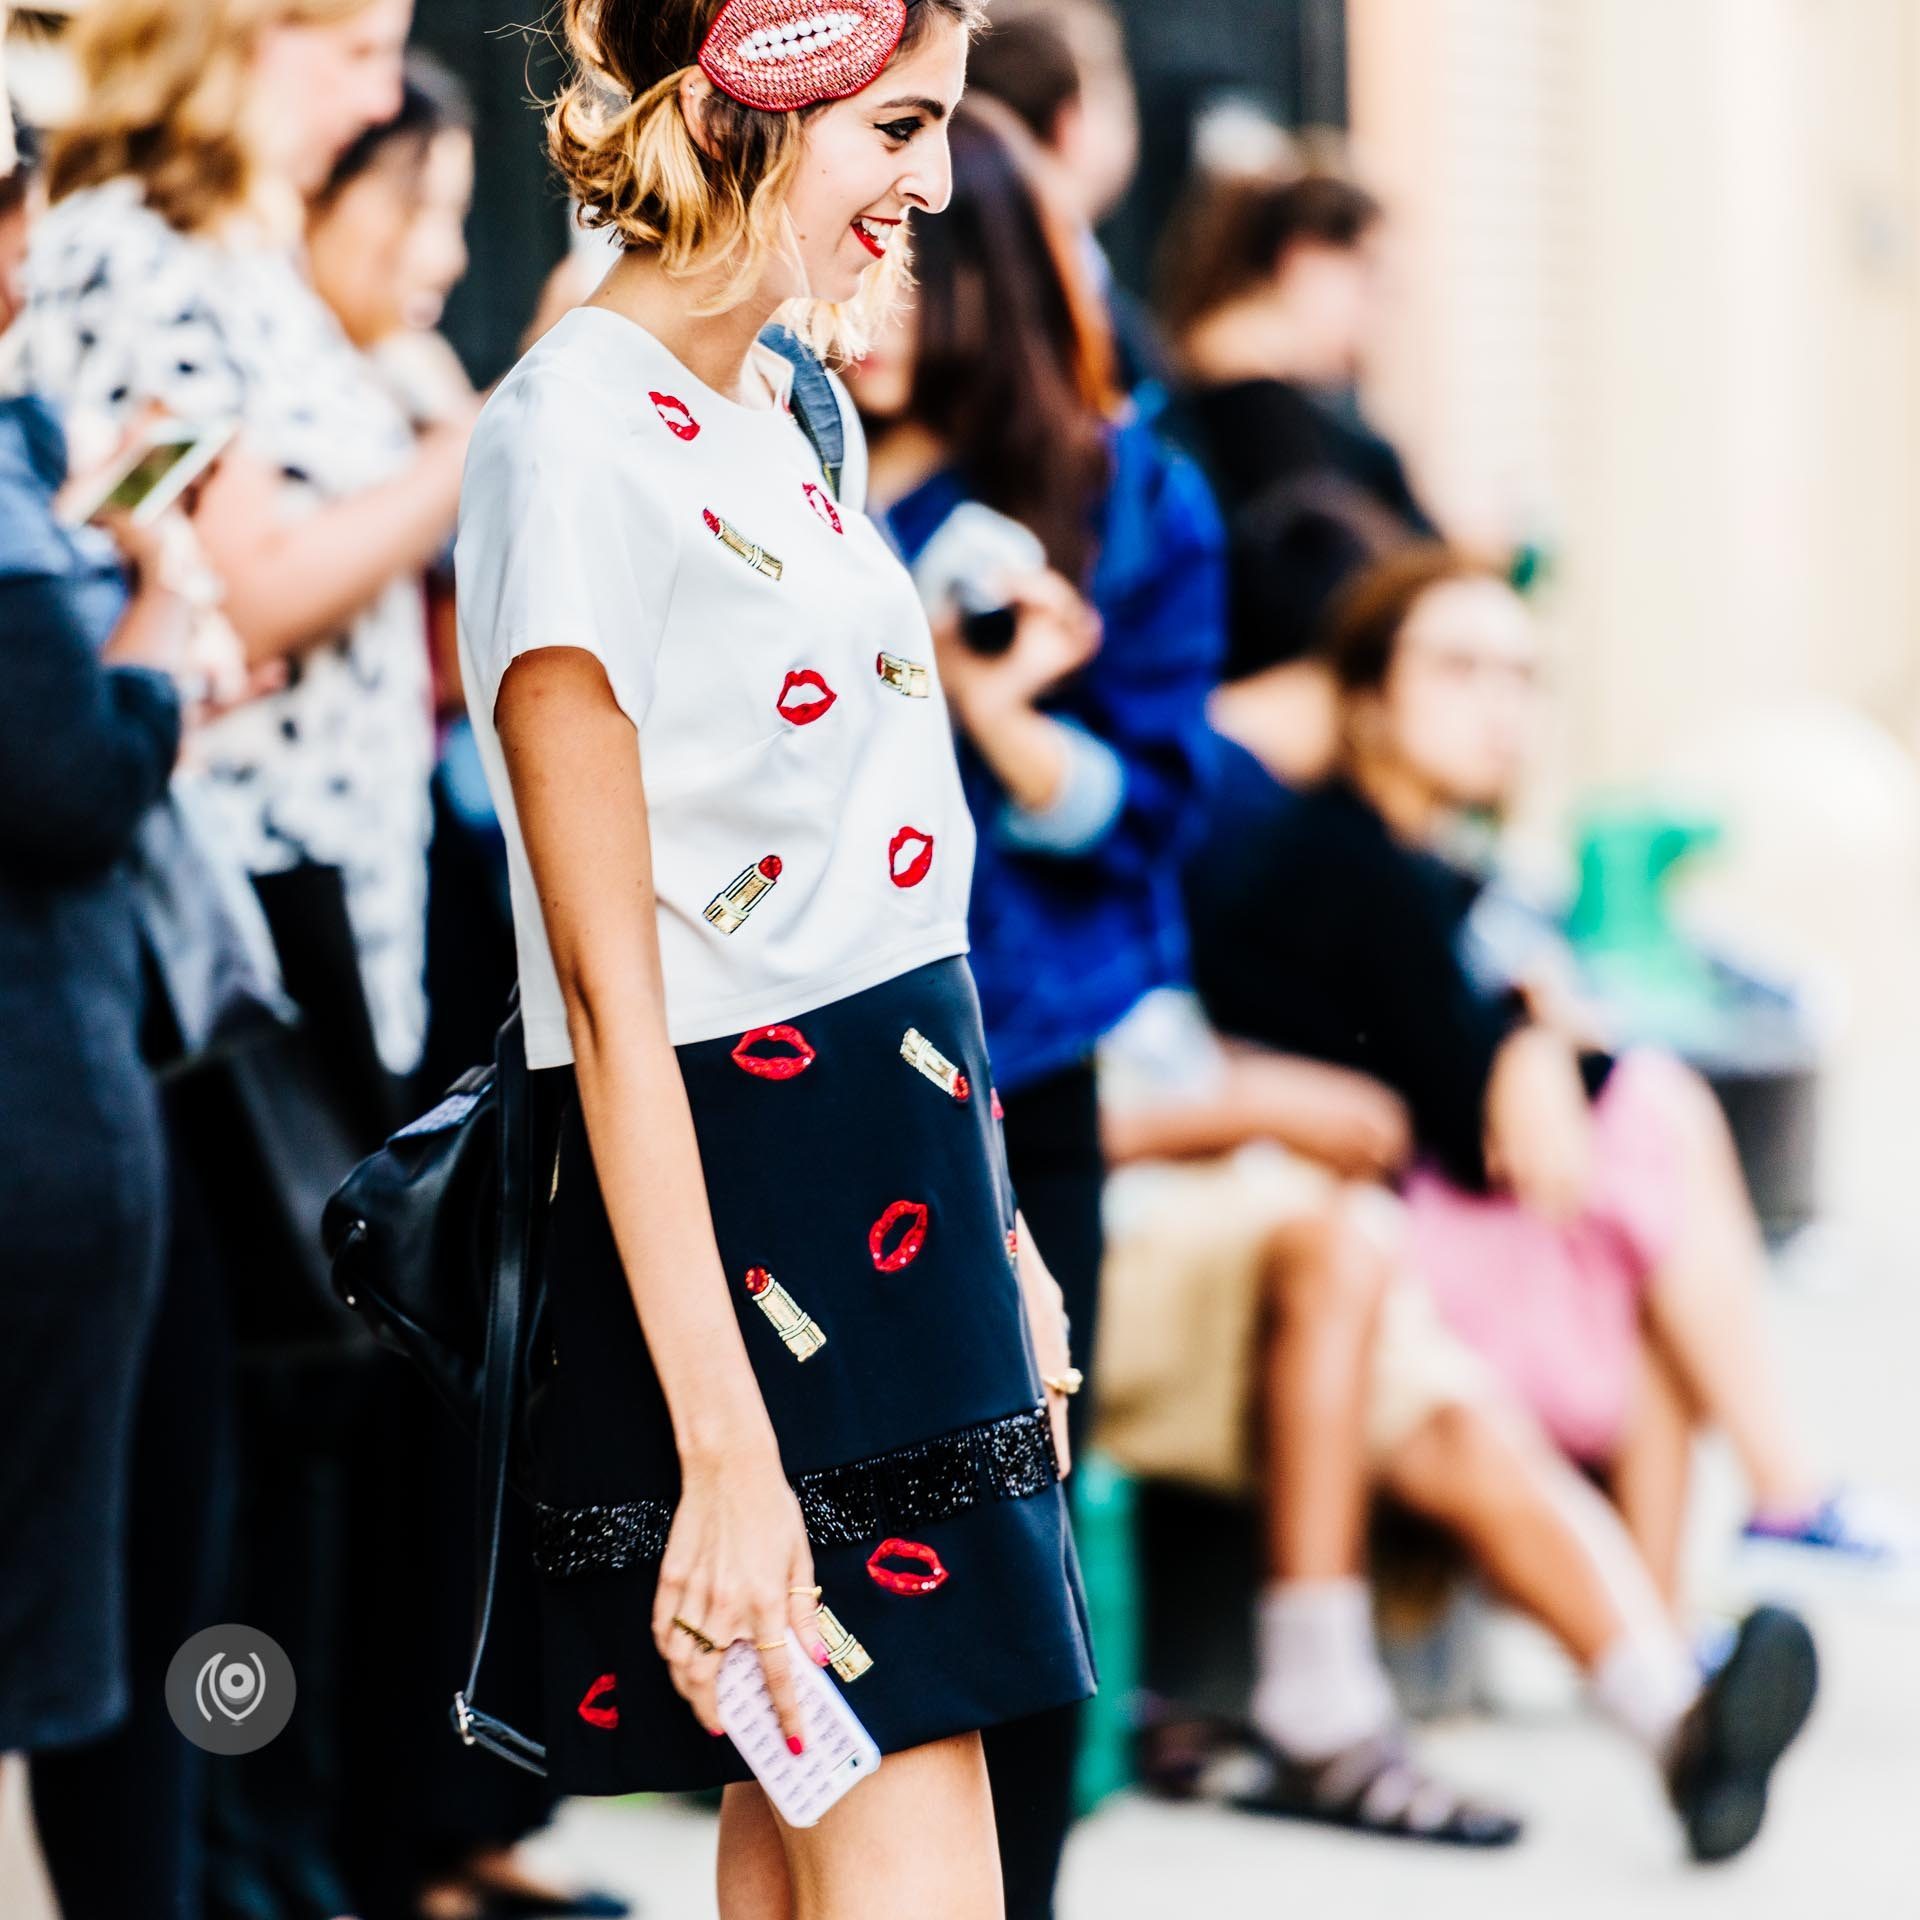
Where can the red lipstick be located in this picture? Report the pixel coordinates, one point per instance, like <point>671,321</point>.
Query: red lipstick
<point>923,1579</point>
<point>774,1066</point>
<point>804,712</point>
<point>908,1249</point>
<point>919,866</point>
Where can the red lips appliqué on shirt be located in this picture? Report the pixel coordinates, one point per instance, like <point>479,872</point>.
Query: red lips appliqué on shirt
<point>919,862</point>
<point>805,698</point>
<point>677,414</point>
<point>822,506</point>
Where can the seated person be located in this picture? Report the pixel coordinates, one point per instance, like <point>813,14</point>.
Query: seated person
<point>1264,1334</point>
<point>1271,295</point>
<point>1582,1222</point>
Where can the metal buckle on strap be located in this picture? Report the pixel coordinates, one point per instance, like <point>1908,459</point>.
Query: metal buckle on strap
<point>463,1719</point>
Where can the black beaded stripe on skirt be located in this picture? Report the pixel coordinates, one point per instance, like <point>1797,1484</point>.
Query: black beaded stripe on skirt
<point>863,1216</point>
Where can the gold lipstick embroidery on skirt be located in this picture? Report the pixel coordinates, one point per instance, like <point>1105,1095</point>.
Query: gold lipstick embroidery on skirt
<point>758,558</point>
<point>850,1659</point>
<point>797,1329</point>
<point>908,677</point>
<point>924,1057</point>
<point>728,909</point>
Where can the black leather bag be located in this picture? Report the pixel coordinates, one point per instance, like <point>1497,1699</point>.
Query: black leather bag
<point>430,1240</point>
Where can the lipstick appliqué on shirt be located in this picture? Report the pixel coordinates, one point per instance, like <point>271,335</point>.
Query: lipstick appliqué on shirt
<point>757,557</point>
<point>677,414</point>
<point>596,1709</point>
<point>796,1053</point>
<point>805,698</point>
<point>924,1578</point>
<point>918,848</point>
<point>906,1250</point>
<point>728,909</point>
<point>906,677</point>
<point>823,507</point>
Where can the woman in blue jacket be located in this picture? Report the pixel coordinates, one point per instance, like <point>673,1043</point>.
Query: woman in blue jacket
<point>1088,556</point>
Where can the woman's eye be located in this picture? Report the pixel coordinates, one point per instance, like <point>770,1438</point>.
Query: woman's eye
<point>900,131</point>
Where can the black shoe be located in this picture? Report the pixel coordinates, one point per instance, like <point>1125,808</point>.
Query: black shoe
<point>1734,1734</point>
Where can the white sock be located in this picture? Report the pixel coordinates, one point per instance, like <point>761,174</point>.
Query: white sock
<point>1320,1685</point>
<point>1643,1683</point>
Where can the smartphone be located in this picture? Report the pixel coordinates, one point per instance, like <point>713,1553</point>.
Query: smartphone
<point>840,1752</point>
<point>152,474</point>
<point>966,568</point>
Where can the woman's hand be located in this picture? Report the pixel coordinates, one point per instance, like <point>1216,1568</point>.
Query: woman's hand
<point>1539,1132</point>
<point>738,1566</point>
<point>1047,1316</point>
<point>1345,1120</point>
<point>1055,634</point>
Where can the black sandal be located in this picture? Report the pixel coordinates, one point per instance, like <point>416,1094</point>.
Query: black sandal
<point>1374,1787</point>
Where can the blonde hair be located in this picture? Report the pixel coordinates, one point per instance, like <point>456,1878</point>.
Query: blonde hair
<point>166,86</point>
<point>621,143</point>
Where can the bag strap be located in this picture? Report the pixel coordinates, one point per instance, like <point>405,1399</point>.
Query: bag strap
<point>506,1314</point>
<point>815,404</point>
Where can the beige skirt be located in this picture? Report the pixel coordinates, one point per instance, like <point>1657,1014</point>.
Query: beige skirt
<point>1183,1313</point>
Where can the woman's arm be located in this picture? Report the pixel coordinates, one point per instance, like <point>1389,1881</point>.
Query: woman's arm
<point>293,581</point>
<point>1342,1119</point>
<point>738,1545</point>
<point>84,749</point>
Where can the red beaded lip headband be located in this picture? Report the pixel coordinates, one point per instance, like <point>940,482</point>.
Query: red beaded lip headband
<point>781,55</point>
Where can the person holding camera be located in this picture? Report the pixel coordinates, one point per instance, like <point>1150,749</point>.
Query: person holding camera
<point>1072,565</point>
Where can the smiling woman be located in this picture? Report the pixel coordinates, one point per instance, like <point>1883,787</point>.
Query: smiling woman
<point>732,192</point>
<point>789,1349</point>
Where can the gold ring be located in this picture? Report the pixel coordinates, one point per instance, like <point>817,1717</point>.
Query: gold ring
<point>694,1634</point>
<point>768,1646</point>
<point>1065,1384</point>
<point>812,1593</point>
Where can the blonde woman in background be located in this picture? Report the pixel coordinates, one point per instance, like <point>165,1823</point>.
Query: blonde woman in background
<point>170,271</point>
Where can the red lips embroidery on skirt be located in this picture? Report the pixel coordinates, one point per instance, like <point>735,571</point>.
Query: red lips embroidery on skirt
<point>923,1579</point>
<point>677,414</point>
<point>774,1066</point>
<point>804,712</point>
<point>919,866</point>
<point>592,1712</point>
<point>908,1250</point>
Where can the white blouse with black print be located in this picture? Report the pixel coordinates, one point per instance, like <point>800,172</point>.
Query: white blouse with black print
<point>123,310</point>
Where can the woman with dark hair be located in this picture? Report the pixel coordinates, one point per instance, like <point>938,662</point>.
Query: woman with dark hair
<point>1270,294</point>
<point>1072,567</point>
<point>1580,1218</point>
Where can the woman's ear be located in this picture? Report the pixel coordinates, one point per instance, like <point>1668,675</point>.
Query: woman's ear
<point>696,96</point>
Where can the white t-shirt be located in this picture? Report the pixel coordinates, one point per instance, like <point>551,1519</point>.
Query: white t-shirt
<point>810,838</point>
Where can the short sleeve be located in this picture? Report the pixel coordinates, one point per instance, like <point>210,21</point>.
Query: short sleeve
<point>564,541</point>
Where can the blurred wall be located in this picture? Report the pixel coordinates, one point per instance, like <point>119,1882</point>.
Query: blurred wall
<point>1660,305</point>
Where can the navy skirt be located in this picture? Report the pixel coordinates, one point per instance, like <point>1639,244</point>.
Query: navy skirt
<point>860,1200</point>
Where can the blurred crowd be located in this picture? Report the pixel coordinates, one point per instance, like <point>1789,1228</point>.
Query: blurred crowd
<point>1345,1211</point>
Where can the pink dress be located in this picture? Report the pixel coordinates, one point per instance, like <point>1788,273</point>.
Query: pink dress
<point>1554,1307</point>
